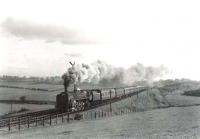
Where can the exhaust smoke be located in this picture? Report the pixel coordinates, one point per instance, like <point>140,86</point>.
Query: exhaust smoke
<point>101,73</point>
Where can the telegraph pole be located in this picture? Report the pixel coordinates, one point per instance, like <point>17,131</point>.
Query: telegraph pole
<point>11,107</point>
<point>110,102</point>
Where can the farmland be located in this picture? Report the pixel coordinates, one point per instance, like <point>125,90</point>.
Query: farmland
<point>30,94</point>
<point>6,108</point>
<point>7,93</point>
<point>11,93</point>
<point>30,85</point>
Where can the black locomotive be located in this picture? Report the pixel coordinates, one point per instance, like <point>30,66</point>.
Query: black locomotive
<point>83,99</point>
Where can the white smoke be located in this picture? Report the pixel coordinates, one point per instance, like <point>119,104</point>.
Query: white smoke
<point>101,72</point>
<point>139,72</point>
<point>95,72</point>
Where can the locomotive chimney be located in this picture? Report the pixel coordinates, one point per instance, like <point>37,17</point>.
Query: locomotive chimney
<point>65,84</point>
<point>69,77</point>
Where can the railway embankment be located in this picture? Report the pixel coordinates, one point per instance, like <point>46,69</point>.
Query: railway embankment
<point>153,98</point>
<point>146,100</point>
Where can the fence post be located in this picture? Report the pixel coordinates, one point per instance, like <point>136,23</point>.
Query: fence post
<point>56,118</point>
<point>86,115</point>
<point>83,115</point>
<point>19,122</point>
<point>102,114</point>
<point>91,115</point>
<point>95,115</point>
<point>68,117</point>
<point>50,120</point>
<point>62,118</point>
<point>36,121</point>
<point>110,102</point>
<point>43,120</point>
<point>9,125</point>
<point>99,114</point>
<point>28,121</point>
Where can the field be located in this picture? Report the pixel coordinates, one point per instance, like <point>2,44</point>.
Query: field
<point>16,93</point>
<point>11,93</point>
<point>176,122</point>
<point>30,85</point>
<point>6,108</point>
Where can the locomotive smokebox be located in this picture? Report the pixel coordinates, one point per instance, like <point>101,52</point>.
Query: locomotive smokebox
<point>62,102</point>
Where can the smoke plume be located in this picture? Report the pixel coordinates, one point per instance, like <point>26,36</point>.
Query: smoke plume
<point>74,55</point>
<point>48,33</point>
<point>100,72</point>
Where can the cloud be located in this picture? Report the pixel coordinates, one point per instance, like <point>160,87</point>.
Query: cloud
<point>74,55</point>
<point>48,33</point>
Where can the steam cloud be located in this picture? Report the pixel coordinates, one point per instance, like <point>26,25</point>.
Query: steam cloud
<point>74,55</point>
<point>48,33</point>
<point>101,72</point>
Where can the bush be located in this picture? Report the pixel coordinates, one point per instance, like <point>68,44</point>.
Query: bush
<point>22,98</point>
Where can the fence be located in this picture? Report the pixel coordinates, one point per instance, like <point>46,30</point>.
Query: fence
<point>49,120</point>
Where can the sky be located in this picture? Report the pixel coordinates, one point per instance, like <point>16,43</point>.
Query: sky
<point>39,37</point>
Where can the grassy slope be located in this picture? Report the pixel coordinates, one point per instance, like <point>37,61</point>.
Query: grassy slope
<point>146,100</point>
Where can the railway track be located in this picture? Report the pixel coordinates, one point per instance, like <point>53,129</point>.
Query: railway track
<point>51,112</point>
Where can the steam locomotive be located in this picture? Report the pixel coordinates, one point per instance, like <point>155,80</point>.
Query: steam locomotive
<point>83,99</point>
